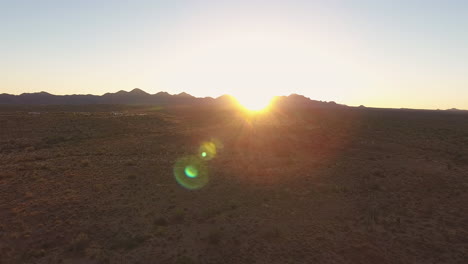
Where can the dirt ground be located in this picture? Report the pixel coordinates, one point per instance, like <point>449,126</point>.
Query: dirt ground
<point>96,185</point>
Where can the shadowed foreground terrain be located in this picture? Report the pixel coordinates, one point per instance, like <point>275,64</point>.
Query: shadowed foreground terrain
<point>291,186</point>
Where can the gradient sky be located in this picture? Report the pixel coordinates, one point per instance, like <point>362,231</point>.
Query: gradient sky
<point>377,53</point>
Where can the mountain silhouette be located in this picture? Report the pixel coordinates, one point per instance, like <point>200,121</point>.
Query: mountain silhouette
<point>140,97</point>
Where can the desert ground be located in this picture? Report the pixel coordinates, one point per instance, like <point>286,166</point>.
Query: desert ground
<point>95,184</point>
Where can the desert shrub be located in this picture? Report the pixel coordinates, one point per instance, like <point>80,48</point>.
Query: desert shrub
<point>51,140</point>
<point>184,260</point>
<point>84,163</point>
<point>94,252</point>
<point>129,242</point>
<point>130,163</point>
<point>161,221</point>
<point>36,253</point>
<point>28,195</point>
<point>378,174</point>
<point>214,237</point>
<point>79,243</point>
<point>375,187</point>
<point>38,157</point>
<point>210,213</point>
<point>43,166</point>
<point>160,231</point>
<point>178,216</point>
<point>272,234</point>
<point>30,149</point>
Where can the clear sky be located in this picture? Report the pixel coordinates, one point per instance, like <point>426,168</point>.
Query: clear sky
<point>397,53</point>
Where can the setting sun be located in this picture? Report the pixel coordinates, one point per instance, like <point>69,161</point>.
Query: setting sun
<point>254,103</point>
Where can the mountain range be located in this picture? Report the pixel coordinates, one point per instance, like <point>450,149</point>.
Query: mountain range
<point>140,97</point>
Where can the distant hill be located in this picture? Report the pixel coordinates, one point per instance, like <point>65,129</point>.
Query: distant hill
<point>140,97</point>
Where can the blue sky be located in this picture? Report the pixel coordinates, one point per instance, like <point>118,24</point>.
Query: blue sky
<point>377,53</point>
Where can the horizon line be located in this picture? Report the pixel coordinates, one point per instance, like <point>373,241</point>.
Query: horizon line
<point>210,97</point>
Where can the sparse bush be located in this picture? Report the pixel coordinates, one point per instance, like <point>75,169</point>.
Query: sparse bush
<point>179,216</point>
<point>84,163</point>
<point>160,230</point>
<point>79,243</point>
<point>30,149</point>
<point>129,242</point>
<point>272,234</point>
<point>378,174</point>
<point>51,140</point>
<point>185,260</point>
<point>43,166</point>
<point>215,237</point>
<point>38,157</point>
<point>161,221</point>
<point>94,252</point>
<point>449,166</point>
<point>28,195</point>
<point>375,187</point>
<point>130,163</point>
<point>210,213</point>
<point>36,253</point>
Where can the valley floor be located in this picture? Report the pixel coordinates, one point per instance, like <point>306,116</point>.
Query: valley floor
<point>289,186</point>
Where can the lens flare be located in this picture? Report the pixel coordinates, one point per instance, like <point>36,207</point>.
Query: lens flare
<point>207,150</point>
<point>191,172</point>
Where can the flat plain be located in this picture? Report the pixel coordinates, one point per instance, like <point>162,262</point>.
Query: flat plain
<point>95,184</point>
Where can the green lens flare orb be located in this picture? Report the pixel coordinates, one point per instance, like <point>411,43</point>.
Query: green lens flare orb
<point>204,154</point>
<point>191,172</point>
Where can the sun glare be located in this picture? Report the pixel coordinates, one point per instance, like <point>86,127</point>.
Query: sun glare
<point>253,103</point>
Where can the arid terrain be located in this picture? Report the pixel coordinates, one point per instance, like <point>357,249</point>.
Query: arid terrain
<point>95,184</point>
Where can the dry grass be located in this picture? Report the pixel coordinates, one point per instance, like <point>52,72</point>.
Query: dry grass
<point>351,186</point>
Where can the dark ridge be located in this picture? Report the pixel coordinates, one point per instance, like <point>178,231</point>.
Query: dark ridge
<point>140,97</point>
<point>184,94</point>
<point>162,94</point>
<point>138,91</point>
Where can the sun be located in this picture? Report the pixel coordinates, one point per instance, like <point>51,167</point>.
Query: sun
<point>254,103</point>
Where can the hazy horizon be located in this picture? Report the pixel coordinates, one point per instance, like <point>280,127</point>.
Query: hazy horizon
<point>403,54</point>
